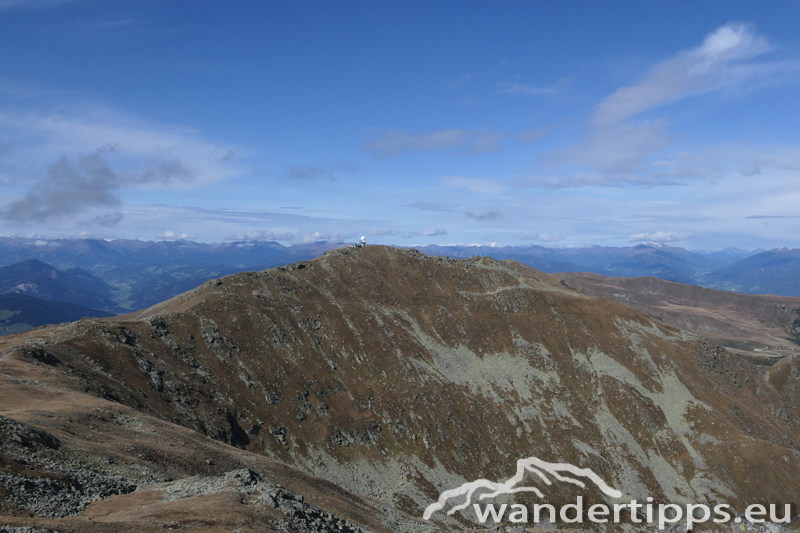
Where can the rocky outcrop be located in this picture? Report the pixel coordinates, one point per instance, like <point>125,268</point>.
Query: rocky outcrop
<point>31,480</point>
<point>300,516</point>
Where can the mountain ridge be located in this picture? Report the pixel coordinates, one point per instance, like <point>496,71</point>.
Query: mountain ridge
<point>396,376</point>
<point>20,312</point>
<point>38,279</point>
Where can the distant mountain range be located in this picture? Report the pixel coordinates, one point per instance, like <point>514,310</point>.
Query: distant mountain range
<point>751,272</point>
<point>20,312</point>
<point>666,262</point>
<point>126,275</point>
<point>138,274</point>
<point>773,272</point>
<point>40,280</point>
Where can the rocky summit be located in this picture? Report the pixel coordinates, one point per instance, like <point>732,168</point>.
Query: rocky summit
<point>349,391</point>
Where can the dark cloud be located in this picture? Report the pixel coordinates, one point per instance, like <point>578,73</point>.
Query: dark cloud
<point>111,218</point>
<point>491,215</point>
<point>68,188</point>
<point>166,170</point>
<point>74,186</point>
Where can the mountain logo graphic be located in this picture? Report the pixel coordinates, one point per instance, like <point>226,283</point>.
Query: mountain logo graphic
<point>559,471</point>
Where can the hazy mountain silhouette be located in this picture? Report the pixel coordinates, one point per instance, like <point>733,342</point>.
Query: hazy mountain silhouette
<point>40,280</point>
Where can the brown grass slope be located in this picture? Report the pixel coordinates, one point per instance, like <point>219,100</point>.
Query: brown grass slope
<point>52,433</point>
<point>750,324</point>
<point>397,376</point>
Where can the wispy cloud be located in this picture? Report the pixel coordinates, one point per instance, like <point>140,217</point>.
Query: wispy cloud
<point>172,236</point>
<point>476,185</point>
<point>525,89</point>
<point>476,141</point>
<point>532,135</point>
<point>432,206</point>
<point>773,216</point>
<point>484,216</point>
<point>620,153</point>
<point>466,101</point>
<point>136,147</point>
<point>432,232</point>
<point>626,146</point>
<point>541,237</point>
<point>317,172</point>
<point>5,149</point>
<point>96,153</point>
<point>459,82</point>
<point>22,4</point>
<point>319,236</point>
<point>718,62</point>
<point>262,235</point>
<point>381,231</point>
<point>659,236</point>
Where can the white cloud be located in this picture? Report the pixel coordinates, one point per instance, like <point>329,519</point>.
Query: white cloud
<point>541,237</point>
<point>172,236</point>
<point>434,232</point>
<point>474,141</point>
<point>262,235</point>
<point>319,236</point>
<point>659,236</point>
<point>621,152</point>
<point>381,231</point>
<point>714,64</point>
<point>476,185</point>
<point>623,147</point>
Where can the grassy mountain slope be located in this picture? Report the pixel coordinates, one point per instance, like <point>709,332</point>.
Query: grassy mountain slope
<point>397,376</point>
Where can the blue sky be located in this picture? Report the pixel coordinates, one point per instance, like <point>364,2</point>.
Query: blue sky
<point>558,123</point>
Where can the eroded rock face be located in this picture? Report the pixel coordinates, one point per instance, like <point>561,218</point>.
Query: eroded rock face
<point>398,376</point>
